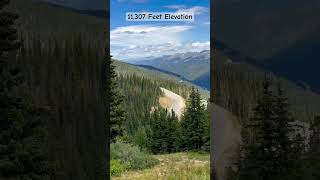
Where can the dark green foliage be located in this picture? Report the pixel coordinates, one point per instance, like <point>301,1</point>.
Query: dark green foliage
<point>63,68</point>
<point>66,76</point>
<point>131,157</point>
<point>195,124</point>
<point>117,112</point>
<point>268,150</point>
<point>237,88</point>
<point>173,131</point>
<point>152,128</point>
<point>286,154</point>
<point>24,147</point>
<point>165,132</point>
<point>23,132</point>
<point>140,95</point>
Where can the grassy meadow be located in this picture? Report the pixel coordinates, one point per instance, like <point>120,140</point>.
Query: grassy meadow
<point>182,166</point>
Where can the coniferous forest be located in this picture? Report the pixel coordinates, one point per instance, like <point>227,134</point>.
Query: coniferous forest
<point>54,104</point>
<point>273,146</point>
<point>278,126</point>
<point>52,114</point>
<point>138,120</point>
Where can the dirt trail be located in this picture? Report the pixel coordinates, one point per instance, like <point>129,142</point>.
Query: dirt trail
<point>172,101</point>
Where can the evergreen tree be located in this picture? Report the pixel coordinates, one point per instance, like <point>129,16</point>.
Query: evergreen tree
<point>260,158</point>
<point>23,136</point>
<point>289,146</point>
<point>173,132</point>
<point>156,135</point>
<point>268,152</point>
<point>165,132</point>
<point>194,123</point>
<point>117,112</point>
<point>206,132</point>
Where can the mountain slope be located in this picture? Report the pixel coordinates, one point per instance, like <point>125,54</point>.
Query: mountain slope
<point>263,28</point>
<point>157,75</point>
<point>172,101</point>
<point>192,66</point>
<point>46,21</point>
<point>282,36</point>
<point>299,62</point>
<point>237,85</point>
<point>66,84</point>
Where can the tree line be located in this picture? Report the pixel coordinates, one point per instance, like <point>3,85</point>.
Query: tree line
<point>271,149</point>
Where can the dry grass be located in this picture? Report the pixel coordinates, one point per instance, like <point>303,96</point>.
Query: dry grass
<point>178,166</point>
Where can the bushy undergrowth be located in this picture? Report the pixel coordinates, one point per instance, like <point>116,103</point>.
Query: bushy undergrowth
<point>115,167</point>
<point>131,157</point>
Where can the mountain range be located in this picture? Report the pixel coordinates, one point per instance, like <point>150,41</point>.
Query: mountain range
<point>191,66</point>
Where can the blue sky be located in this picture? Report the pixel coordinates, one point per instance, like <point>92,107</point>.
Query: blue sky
<point>159,38</point>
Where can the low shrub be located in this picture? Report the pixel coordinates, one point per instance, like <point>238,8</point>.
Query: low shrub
<point>115,167</point>
<point>131,157</point>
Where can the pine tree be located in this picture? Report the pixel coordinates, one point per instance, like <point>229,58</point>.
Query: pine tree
<point>206,132</point>
<point>194,123</point>
<point>156,135</point>
<point>289,146</point>
<point>23,136</point>
<point>117,112</point>
<point>173,132</point>
<point>259,160</point>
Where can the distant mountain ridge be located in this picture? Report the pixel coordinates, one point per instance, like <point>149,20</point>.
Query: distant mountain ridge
<point>156,74</point>
<point>280,36</point>
<point>190,66</point>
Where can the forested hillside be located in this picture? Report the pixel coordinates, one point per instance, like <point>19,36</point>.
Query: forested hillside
<point>237,83</point>
<point>141,90</point>
<point>278,119</point>
<point>192,66</point>
<point>140,123</point>
<point>61,63</point>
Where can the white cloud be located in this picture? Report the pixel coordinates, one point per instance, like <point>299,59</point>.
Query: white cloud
<point>138,42</point>
<point>146,35</point>
<point>199,44</point>
<point>141,52</point>
<point>175,6</point>
<point>195,9</point>
<point>182,9</point>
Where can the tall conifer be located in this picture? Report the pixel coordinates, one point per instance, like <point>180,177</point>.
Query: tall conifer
<point>117,112</point>
<point>23,136</point>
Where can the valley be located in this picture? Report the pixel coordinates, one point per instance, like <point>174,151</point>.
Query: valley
<point>191,66</point>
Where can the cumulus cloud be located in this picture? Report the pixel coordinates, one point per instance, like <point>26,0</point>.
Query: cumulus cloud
<point>146,35</point>
<point>141,52</point>
<point>195,9</point>
<point>175,6</point>
<point>138,42</point>
<point>182,9</point>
